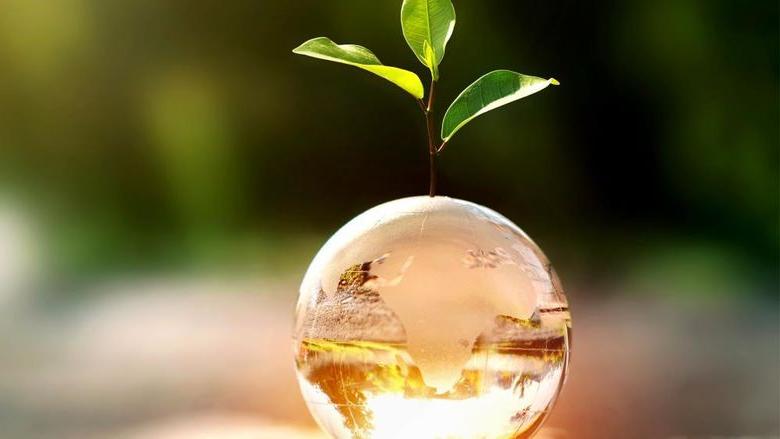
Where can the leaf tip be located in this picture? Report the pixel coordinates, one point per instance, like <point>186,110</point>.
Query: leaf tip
<point>554,81</point>
<point>298,50</point>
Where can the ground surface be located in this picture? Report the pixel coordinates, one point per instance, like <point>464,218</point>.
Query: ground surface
<point>168,359</point>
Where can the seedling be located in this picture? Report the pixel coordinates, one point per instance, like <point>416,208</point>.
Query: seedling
<point>427,26</point>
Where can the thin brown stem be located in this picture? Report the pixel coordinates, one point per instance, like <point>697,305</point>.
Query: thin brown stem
<point>432,150</point>
<point>431,156</point>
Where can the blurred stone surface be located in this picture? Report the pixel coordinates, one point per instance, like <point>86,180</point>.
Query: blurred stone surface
<point>211,426</point>
<point>153,359</point>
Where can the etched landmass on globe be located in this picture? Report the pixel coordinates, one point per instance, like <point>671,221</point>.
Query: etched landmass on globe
<point>434,273</point>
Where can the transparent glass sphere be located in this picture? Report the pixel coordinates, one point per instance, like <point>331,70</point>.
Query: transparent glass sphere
<point>431,318</point>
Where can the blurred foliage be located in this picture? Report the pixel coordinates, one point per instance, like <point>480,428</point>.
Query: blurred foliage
<point>149,133</point>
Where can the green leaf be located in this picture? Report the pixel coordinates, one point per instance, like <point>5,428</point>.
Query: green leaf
<point>362,58</point>
<point>427,25</point>
<point>491,91</point>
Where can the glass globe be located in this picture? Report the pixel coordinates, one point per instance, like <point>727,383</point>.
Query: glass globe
<point>431,318</point>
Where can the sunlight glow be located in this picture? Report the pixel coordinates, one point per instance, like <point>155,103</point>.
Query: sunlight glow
<point>396,416</point>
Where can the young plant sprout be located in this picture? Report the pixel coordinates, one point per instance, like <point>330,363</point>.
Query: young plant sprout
<point>431,317</point>
<point>427,26</point>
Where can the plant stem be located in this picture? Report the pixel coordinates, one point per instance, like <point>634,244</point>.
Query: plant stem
<point>432,149</point>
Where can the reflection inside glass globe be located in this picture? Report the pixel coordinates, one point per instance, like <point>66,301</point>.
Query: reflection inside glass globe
<point>431,317</point>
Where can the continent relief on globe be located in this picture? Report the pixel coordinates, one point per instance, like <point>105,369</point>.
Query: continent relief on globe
<point>435,273</point>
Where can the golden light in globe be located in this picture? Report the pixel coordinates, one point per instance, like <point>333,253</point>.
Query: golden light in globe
<point>431,318</point>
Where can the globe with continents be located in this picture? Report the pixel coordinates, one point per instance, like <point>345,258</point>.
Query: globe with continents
<point>431,317</point>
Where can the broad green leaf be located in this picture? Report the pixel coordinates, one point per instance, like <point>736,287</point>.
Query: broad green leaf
<point>491,91</point>
<point>362,58</point>
<point>427,26</point>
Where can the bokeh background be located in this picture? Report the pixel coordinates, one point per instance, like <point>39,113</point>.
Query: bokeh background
<point>169,168</point>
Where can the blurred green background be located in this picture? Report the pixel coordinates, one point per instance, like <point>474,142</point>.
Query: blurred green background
<point>146,140</point>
